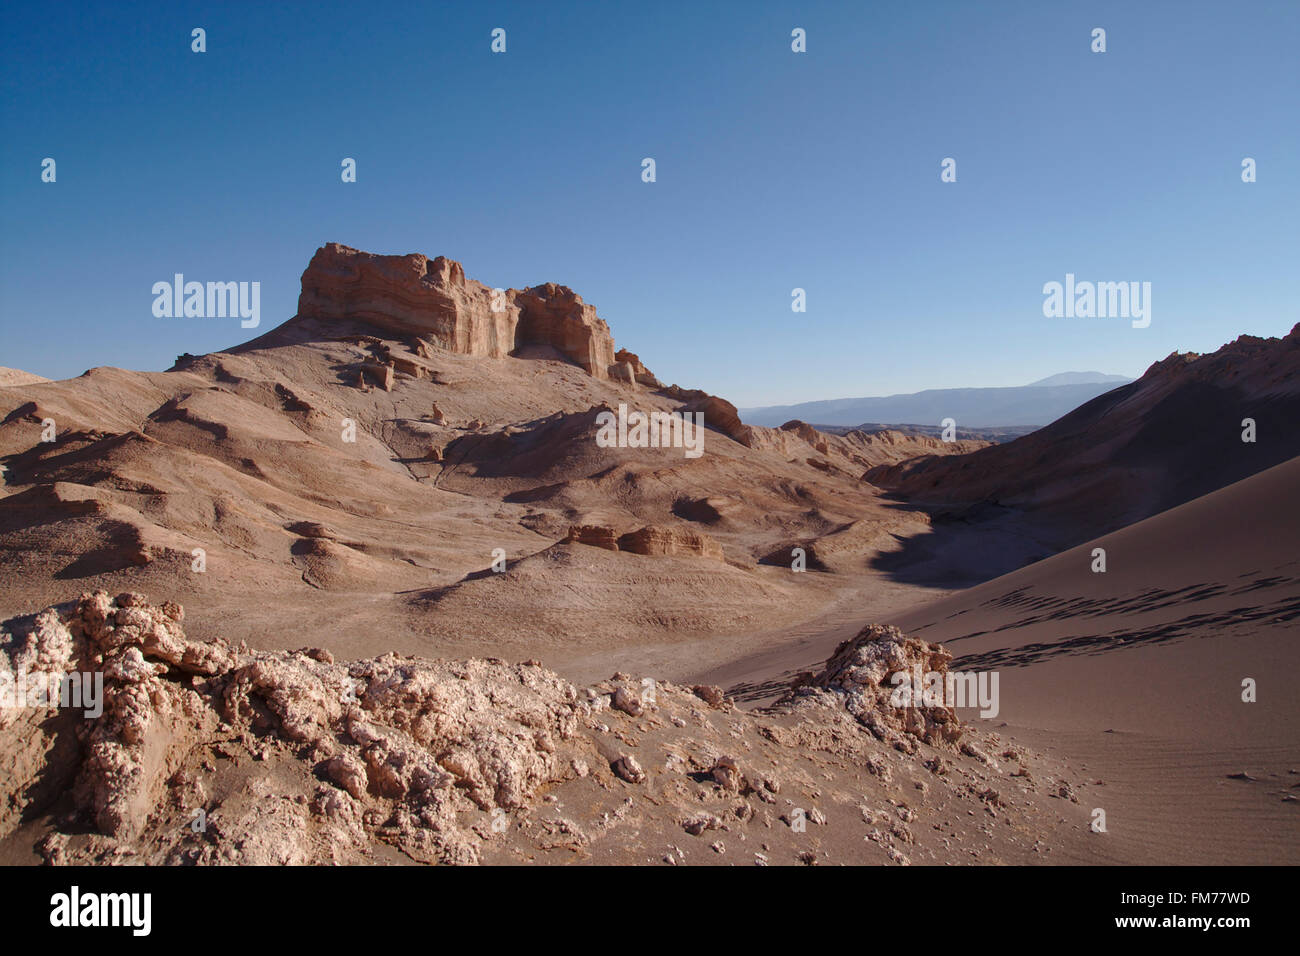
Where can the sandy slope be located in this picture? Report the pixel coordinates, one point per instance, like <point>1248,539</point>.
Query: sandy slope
<point>16,376</point>
<point>1170,437</point>
<point>1137,673</point>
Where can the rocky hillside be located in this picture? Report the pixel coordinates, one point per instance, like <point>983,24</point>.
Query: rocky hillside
<point>409,454</point>
<point>1173,435</point>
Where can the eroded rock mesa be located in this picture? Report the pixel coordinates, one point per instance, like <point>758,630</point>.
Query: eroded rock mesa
<point>432,300</point>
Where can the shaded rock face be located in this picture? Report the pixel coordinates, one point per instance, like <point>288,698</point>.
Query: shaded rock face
<point>555,315</point>
<point>430,299</point>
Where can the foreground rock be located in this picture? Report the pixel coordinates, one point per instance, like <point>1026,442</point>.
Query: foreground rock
<point>207,753</point>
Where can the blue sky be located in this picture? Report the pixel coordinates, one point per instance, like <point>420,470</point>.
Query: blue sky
<point>775,170</point>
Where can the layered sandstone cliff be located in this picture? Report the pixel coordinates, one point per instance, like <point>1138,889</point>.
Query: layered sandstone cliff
<point>432,300</point>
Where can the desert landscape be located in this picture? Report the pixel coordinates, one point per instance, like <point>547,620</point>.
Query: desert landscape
<point>380,586</point>
<point>445,442</point>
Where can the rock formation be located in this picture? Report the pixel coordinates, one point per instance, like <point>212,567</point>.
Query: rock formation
<point>859,673</point>
<point>432,300</point>
<point>555,315</point>
<point>425,739</point>
<point>670,541</point>
<point>650,540</point>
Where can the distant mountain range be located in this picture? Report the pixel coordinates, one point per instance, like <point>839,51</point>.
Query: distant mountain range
<point>1031,405</point>
<point>1081,378</point>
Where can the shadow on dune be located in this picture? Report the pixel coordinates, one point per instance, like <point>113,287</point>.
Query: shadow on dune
<point>1203,625</point>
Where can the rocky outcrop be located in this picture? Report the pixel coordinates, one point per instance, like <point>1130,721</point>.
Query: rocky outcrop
<point>719,414</point>
<point>409,295</point>
<point>858,676</point>
<point>424,741</point>
<point>555,315</point>
<point>207,753</point>
<point>431,300</point>
<point>650,540</point>
<point>677,542</point>
<point>597,536</point>
<point>640,374</point>
<point>376,374</point>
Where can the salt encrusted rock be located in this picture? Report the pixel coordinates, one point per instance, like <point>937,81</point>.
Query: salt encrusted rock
<point>701,822</point>
<point>629,769</point>
<point>425,740</point>
<point>726,773</point>
<point>859,674</point>
<point>292,757</point>
<point>628,702</point>
<point>712,695</point>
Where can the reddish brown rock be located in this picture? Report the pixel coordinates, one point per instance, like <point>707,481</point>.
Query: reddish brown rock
<point>381,375</point>
<point>598,536</point>
<point>678,542</point>
<point>431,301</point>
<point>720,415</point>
<point>640,374</point>
<point>555,315</point>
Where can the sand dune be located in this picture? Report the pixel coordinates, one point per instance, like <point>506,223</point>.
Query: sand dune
<point>1137,672</point>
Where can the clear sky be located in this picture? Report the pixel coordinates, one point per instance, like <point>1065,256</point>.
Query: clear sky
<point>775,170</point>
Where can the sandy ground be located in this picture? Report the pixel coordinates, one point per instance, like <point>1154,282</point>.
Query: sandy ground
<point>1137,673</point>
